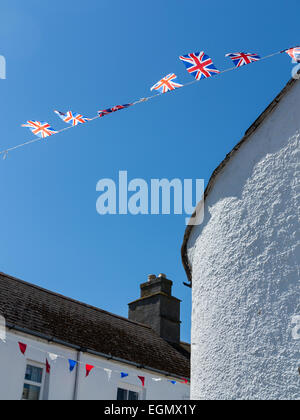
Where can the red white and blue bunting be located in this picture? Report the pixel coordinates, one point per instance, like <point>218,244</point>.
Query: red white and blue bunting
<point>51,359</point>
<point>198,64</point>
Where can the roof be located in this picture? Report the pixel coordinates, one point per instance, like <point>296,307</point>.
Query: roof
<point>28,306</point>
<point>273,105</point>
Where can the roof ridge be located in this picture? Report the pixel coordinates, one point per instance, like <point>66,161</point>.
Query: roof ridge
<point>72,300</point>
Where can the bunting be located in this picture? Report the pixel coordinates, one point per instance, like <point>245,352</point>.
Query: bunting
<point>198,64</point>
<point>88,369</point>
<point>53,356</point>
<point>41,130</point>
<point>72,365</point>
<point>108,372</point>
<point>166,84</point>
<point>142,379</point>
<point>72,118</point>
<point>48,367</point>
<point>241,59</point>
<point>113,109</point>
<point>294,53</point>
<point>23,347</point>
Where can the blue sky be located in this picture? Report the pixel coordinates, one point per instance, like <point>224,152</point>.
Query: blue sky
<point>88,56</point>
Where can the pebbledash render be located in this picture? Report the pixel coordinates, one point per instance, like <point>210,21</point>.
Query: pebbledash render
<point>243,264</point>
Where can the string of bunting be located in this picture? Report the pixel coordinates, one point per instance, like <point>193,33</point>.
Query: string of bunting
<point>72,364</point>
<point>198,64</point>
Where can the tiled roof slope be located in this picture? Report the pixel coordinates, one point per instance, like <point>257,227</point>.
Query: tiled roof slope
<point>39,310</point>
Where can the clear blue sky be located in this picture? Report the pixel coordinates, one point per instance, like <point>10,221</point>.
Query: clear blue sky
<point>90,55</point>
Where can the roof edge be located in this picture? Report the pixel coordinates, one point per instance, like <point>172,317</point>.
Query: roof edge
<point>72,300</point>
<point>273,105</point>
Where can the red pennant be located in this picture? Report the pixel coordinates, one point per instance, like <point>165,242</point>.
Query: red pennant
<point>88,369</point>
<point>185,381</point>
<point>23,347</point>
<point>142,379</point>
<point>48,367</point>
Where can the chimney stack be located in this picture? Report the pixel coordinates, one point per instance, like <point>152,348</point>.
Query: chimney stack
<point>157,308</point>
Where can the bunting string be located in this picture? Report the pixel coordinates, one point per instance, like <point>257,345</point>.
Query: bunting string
<point>53,357</point>
<point>198,65</point>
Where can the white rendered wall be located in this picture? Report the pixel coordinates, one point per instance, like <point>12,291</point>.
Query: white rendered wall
<point>61,381</point>
<point>245,268</point>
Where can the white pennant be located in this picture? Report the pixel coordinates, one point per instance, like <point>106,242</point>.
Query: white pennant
<point>156,379</point>
<point>108,371</point>
<point>53,356</point>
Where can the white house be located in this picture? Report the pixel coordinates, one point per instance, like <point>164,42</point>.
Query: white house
<point>243,263</point>
<point>131,360</point>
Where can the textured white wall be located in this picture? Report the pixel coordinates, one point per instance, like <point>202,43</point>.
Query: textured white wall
<point>245,263</point>
<point>61,381</point>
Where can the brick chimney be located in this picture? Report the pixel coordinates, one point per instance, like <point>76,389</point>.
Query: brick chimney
<point>157,308</point>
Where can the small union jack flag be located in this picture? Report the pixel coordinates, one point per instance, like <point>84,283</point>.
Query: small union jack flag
<point>72,118</point>
<point>199,65</point>
<point>294,53</point>
<point>40,129</point>
<point>166,84</point>
<point>241,58</point>
<point>113,109</point>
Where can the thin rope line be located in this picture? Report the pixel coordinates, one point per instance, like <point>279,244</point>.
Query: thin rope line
<point>139,101</point>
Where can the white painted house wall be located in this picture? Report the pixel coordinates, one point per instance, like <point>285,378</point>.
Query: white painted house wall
<point>62,381</point>
<point>245,268</point>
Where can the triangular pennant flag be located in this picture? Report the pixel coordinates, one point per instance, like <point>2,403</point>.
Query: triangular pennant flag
<point>48,367</point>
<point>88,369</point>
<point>142,379</point>
<point>23,347</point>
<point>108,371</point>
<point>156,379</point>
<point>173,382</point>
<point>123,374</point>
<point>53,356</point>
<point>72,364</point>
<point>184,381</point>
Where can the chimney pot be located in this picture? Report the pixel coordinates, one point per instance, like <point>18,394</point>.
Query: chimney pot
<point>151,277</point>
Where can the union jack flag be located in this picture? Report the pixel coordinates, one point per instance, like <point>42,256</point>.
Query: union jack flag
<point>72,118</point>
<point>113,109</point>
<point>199,65</point>
<point>166,84</point>
<point>242,58</point>
<point>40,129</point>
<point>294,53</point>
